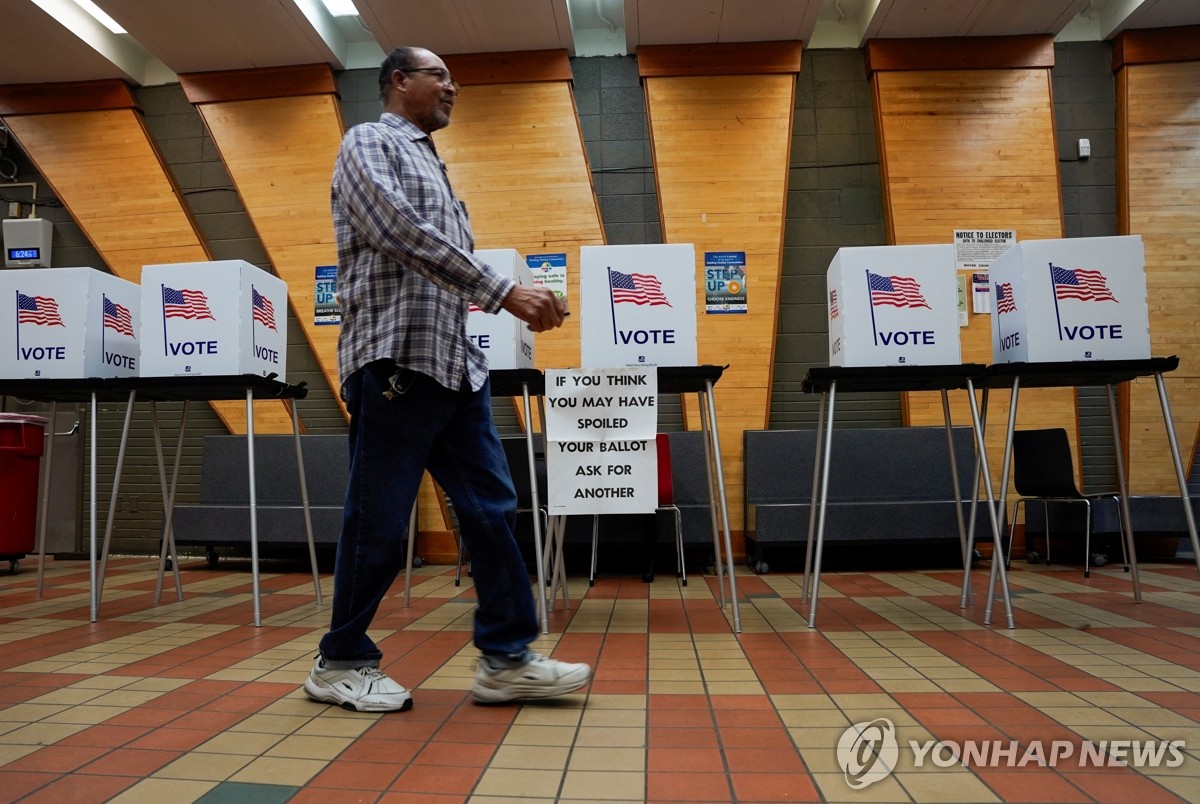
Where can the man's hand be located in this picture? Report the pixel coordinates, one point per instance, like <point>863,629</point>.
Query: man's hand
<point>538,307</point>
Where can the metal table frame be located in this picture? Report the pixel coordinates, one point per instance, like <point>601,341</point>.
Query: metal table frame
<point>826,382</point>
<point>1099,372</point>
<point>153,390</point>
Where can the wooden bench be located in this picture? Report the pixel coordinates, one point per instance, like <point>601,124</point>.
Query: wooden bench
<point>886,485</point>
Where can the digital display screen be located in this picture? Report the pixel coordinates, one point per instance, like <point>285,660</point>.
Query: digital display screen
<point>24,253</point>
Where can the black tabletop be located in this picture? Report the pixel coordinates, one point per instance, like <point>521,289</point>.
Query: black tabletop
<point>820,379</point>
<point>153,389</point>
<point>1077,373</point>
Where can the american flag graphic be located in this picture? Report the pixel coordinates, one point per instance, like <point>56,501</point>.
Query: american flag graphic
<point>116,317</point>
<point>636,288</point>
<point>1004,298</point>
<point>264,311</point>
<point>185,304</point>
<point>833,307</point>
<point>1080,284</point>
<point>38,310</point>
<point>895,291</point>
<point>474,308</point>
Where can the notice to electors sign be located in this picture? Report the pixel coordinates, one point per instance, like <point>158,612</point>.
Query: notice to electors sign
<point>975,249</point>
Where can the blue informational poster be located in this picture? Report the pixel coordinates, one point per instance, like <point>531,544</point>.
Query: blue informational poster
<point>325,300</point>
<point>725,282</point>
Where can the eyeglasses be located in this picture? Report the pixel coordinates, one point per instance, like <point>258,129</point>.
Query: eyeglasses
<point>440,74</point>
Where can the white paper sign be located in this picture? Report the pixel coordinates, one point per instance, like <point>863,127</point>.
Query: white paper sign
<point>601,404</point>
<point>602,477</point>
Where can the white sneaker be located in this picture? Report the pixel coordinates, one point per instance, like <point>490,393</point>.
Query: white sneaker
<point>540,677</point>
<point>364,689</point>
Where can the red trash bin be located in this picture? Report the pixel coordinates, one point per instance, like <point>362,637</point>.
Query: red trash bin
<point>22,439</point>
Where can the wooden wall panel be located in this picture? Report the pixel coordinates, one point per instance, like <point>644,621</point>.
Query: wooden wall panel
<point>721,156</point>
<point>105,169</point>
<point>1159,162</point>
<point>972,149</point>
<point>279,153</point>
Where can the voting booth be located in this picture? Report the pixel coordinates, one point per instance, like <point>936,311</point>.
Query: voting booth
<point>893,306</point>
<point>213,318</point>
<point>1080,298</point>
<point>503,338</point>
<point>638,305</point>
<point>68,323</point>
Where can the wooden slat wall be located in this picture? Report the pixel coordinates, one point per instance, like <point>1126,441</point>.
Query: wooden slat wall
<point>279,152</point>
<point>971,149</point>
<point>104,167</point>
<point>721,148</point>
<point>1158,165</point>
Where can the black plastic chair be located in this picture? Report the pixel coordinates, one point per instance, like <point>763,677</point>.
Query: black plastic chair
<point>1043,470</point>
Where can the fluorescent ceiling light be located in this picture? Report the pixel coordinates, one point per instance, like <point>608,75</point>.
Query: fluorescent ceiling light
<point>99,15</point>
<point>341,8</point>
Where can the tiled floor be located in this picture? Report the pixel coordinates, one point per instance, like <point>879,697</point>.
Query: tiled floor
<point>187,701</point>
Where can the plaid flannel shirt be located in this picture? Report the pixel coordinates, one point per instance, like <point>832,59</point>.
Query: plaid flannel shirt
<point>406,272</point>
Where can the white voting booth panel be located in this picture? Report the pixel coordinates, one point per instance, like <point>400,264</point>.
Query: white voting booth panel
<point>69,323</point>
<point>1080,298</point>
<point>638,305</point>
<point>503,338</point>
<point>213,318</point>
<point>893,306</point>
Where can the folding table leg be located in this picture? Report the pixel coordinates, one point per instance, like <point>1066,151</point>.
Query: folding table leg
<point>42,517</point>
<point>537,525</point>
<point>408,551</point>
<point>998,568</point>
<point>812,500</point>
<point>112,505</point>
<point>1184,494</point>
<point>979,423</point>
<point>716,442</point>
<point>712,505</point>
<point>167,547</point>
<point>308,528</point>
<point>958,512</point>
<point>823,498</point>
<point>1127,546</point>
<point>253,508</point>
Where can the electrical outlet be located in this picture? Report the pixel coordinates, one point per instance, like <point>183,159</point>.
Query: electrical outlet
<point>1085,148</point>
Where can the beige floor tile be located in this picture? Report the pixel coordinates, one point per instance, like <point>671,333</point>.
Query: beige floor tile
<point>279,770</point>
<point>157,791</point>
<point>540,735</point>
<point>606,786</point>
<point>625,718</point>
<point>272,724</point>
<point>298,746</point>
<point>519,782</point>
<point>587,758</point>
<point>239,743</point>
<point>203,767</point>
<point>539,757</point>
<point>606,737</point>
<point>945,786</point>
<point>833,788</point>
<point>42,733</point>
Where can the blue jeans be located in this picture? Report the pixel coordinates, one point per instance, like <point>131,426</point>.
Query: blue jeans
<point>392,442</point>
